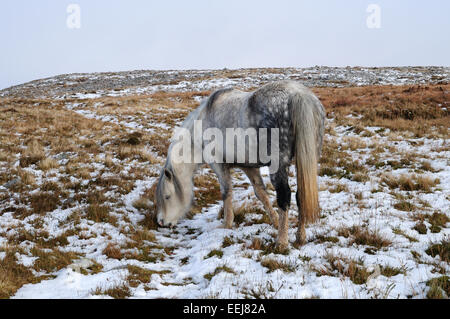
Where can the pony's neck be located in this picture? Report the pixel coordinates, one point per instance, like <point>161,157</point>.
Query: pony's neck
<point>185,170</point>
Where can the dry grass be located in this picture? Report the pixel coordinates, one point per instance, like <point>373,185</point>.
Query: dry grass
<point>363,236</point>
<point>441,249</point>
<point>274,264</point>
<point>48,164</point>
<point>51,261</point>
<point>338,266</point>
<point>439,288</point>
<point>117,292</point>
<point>113,251</point>
<point>44,202</point>
<point>33,153</point>
<point>138,275</point>
<point>400,108</point>
<point>100,214</point>
<point>218,270</point>
<point>12,274</point>
<point>27,178</point>
<point>208,192</point>
<point>43,135</point>
<point>410,182</point>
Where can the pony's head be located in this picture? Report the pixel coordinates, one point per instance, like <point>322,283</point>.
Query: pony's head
<point>172,202</point>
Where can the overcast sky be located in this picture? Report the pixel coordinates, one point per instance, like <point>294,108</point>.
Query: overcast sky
<point>119,35</point>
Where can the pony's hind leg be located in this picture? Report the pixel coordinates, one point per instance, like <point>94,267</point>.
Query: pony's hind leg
<point>281,184</point>
<point>255,178</point>
<point>301,233</point>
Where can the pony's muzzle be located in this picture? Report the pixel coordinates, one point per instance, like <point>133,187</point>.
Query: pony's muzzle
<point>161,223</point>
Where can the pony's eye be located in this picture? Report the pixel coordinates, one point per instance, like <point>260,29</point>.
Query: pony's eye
<point>167,197</point>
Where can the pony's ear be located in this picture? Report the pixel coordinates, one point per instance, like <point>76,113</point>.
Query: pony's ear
<point>168,174</point>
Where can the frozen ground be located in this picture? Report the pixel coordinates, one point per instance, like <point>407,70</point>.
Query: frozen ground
<point>200,259</point>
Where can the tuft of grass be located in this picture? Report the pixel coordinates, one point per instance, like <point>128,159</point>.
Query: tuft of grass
<point>362,236</point>
<point>113,251</point>
<point>323,239</point>
<point>336,266</point>
<point>149,221</point>
<point>100,214</point>
<point>389,271</point>
<point>13,275</point>
<point>273,264</point>
<point>118,292</point>
<point>410,182</point>
<point>329,171</point>
<point>227,241</point>
<point>134,138</point>
<point>50,187</point>
<point>138,275</point>
<point>32,155</point>
<point>142,203</point>
<point>256,244</point>
<point>214,253</point>
<point>439,288</point>
<point>53,260</point>
<point>405,206</point>
<point>140,236</point>
<point>218,270</point>
<point>441,249</point>
<point>426,166</point>
<point>44,202</point>
<point>95,268</point>
<point>27,178</point>
<point>421,228</point>
<point>48,164</point>
<point>374,239</point>
<point>437,221</point>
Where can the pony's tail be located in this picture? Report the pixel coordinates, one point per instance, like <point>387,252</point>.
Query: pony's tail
<point>306,125</point>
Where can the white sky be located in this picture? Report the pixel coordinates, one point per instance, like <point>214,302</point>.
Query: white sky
<point>119,35</point>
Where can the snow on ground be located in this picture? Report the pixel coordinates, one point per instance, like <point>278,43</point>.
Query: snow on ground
<point>203,260</point>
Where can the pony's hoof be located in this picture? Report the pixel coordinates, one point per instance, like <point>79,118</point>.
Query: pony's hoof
<point>225,226</point>
<point>275,223</point>
<point>282,247</point>
<point>299,243</point>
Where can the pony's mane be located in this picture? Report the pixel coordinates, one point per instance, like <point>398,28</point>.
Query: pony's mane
<point>215,96</point>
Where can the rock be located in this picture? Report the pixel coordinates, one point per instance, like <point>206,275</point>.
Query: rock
<point>83,263</point>
<point>11,183</point>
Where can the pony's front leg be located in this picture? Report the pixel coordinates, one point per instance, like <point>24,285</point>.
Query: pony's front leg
<point>228,210</point>
<point>226,188</point>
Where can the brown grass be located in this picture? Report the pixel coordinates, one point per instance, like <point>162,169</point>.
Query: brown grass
<point>399,108</point>
<point>100,214</point>
<point>441,249</point>
<point>44,202</point>
<point>352,269</point>
<point>117,292</point>
<point>50,261</point>
<point>362,236</point>
<point>48,164</point>
<point>410,182</point>
<point>273,264</point>
<point>113,251</point>
<point>12,274</point>
<point>138,275</point>
<point>439,288</point>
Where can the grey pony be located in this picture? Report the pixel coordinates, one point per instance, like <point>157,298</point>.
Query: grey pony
<point>299,117</point>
